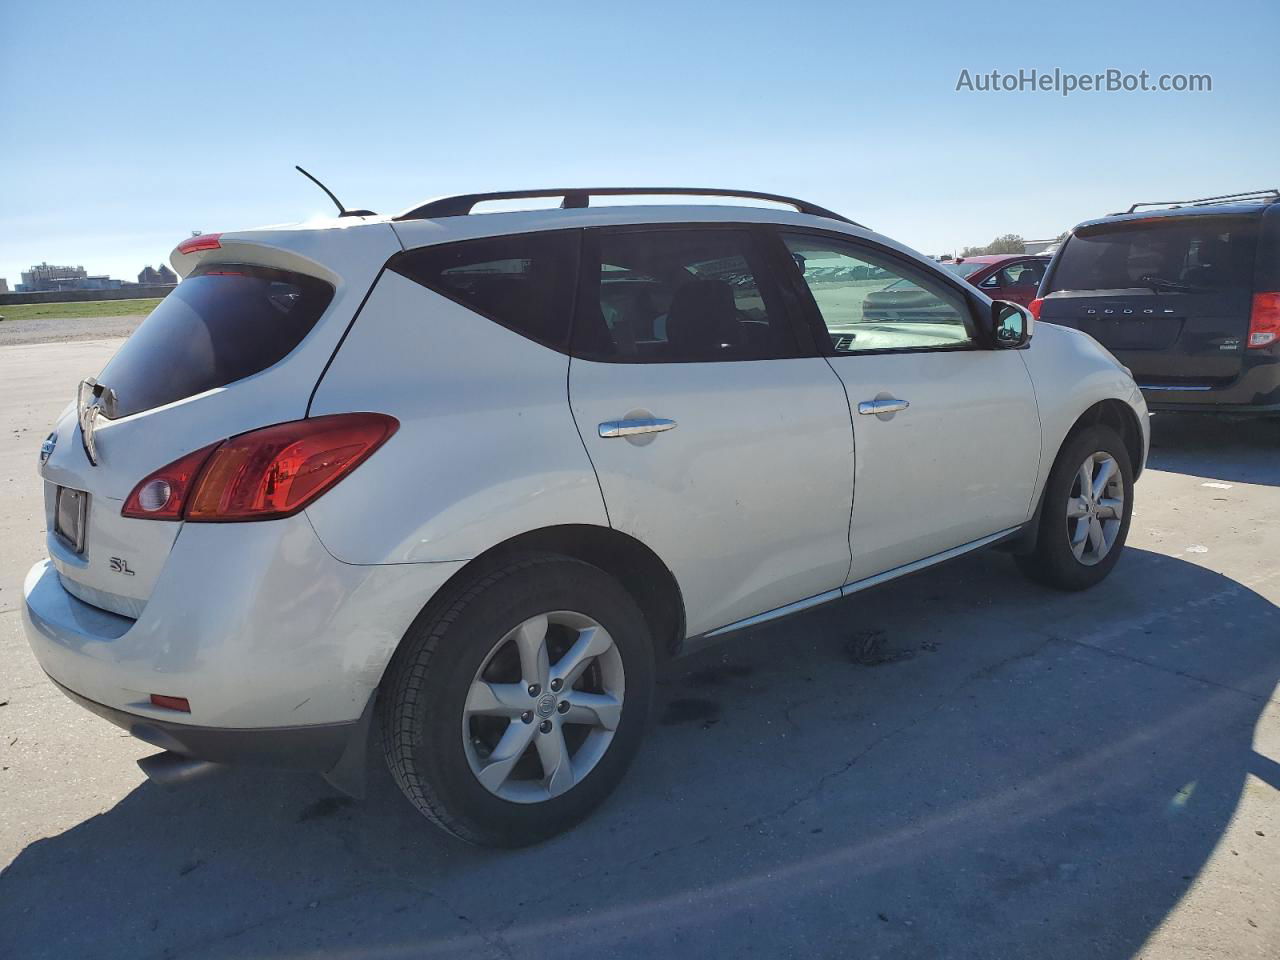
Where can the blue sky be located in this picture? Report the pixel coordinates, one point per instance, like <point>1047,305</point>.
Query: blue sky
<point>126,126</point>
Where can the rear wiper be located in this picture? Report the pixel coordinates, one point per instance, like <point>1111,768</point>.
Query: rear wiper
<point>1159,283</point>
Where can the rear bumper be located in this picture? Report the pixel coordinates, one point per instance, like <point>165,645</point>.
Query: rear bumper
<point>316,747</point>
<point>255,624</point>
<point>1256,390</point>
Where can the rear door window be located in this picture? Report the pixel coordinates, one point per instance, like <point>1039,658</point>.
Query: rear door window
<point>683,295</point>
<point>223,323</point>
<point>523,282</point>
<point>1178,254</point>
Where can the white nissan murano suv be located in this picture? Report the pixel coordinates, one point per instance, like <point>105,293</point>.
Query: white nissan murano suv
<point>468,476</point>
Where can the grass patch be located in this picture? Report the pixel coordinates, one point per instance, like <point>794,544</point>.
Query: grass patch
<point>70,311</point>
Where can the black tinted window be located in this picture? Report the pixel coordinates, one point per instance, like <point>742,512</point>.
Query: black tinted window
<point>524,282</point>
<point>1191,253</point>
<point>677,296</point>
<point>223,323</point>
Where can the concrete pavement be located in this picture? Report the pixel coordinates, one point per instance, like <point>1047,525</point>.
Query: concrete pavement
<point>959,764</point>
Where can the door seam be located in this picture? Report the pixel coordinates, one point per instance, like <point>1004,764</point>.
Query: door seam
<point>853,476</point>
<point>568,397</point>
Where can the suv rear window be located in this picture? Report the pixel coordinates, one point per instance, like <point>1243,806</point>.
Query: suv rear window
<point>223,323</point>
<point>1191,254</point>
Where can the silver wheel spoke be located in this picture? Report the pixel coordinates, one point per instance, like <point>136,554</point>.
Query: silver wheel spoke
<point>596,709</point>
<point>1105,473</point>
<point>506,754</point>
<point>1080,537</point>
<point>531,640</point>
<point>1096,540</point>
<point>556,765</point>
<point>1076,507</point>
<point>497,699</point>
<point>1086,479</point>
<point>1110,508</point>
<point>591,643</point>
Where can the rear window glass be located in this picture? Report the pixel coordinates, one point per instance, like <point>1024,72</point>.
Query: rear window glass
<point>524,282</point>
<point>1182,254</point>
<point>678,296</point>
<point>223,323</point>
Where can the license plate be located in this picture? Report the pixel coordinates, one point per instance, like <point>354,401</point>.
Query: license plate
<point>70,509</point>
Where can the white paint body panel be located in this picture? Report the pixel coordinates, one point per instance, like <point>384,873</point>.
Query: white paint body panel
<point>1070,372</point>
<point>254,623</point>
<point>486,448</point>
<point>958,464</point>
<point>747,499</point>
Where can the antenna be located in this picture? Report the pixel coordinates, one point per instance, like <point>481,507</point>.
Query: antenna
<point>342,211</point>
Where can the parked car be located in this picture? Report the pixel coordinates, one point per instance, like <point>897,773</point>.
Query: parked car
<point>1186,295</point>
<point>472,476</point>
<point>1004,276</point>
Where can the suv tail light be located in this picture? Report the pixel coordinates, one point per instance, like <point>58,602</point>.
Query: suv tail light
<point>261,475</point>
<point>1264,320</point>
<point>1034,307</point>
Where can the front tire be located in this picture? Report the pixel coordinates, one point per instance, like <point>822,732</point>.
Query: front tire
<point>1084,520</point>
<point>514,711</point>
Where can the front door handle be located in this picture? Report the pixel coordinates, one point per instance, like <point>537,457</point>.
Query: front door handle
<point>887,405</point>
<point>631,428</point>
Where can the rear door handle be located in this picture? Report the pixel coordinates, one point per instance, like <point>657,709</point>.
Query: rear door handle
<point>631,428</point>
<point>888,405</point>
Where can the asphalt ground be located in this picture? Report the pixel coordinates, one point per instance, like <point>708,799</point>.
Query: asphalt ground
<point>958,764</point>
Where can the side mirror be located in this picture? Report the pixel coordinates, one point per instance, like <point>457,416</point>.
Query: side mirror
<point>1011,325</point>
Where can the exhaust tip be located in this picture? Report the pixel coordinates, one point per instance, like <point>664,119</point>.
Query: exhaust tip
<point>171,769</point>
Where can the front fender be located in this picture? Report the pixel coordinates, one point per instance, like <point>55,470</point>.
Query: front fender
<point>1070,373</point>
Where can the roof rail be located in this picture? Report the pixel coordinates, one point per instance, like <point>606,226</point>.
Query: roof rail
<point>1203,201</point>
<point>579,197</point>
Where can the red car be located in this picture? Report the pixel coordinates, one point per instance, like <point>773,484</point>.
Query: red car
<point>1002,276</point>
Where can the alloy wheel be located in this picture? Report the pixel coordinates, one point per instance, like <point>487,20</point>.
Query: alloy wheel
<point>542,709</point>
<point>1095,508</point>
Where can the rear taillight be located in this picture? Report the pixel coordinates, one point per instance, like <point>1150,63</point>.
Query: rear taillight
<point>1264,320</point>
<point>262,475</point>
<point>1034,307</point>
<point>203,241</point>
<point>163,495</point>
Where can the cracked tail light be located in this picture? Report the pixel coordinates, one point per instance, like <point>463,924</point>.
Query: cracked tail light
<point>264,474</point>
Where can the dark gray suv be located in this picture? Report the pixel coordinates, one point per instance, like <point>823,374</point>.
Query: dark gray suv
<point>1187,295</point>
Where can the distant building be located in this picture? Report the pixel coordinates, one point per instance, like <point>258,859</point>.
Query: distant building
<point>153,277</point>
<point>45,277</point>
<point>4,285</point>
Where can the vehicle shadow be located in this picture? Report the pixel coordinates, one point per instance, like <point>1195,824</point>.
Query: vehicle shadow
<point>959,764</point>
<point>1224,448</point>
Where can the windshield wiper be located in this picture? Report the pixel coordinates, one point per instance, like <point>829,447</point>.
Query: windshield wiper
<point>1159,283</point>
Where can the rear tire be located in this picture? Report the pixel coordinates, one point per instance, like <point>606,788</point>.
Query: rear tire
<point>1082,533</point>
<point>474,746</point>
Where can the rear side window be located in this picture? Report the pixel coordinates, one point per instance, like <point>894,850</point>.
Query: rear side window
<point>678,296</point>
<point>1177,254</point>
<point>523,282</point>
<point>223,323</point>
